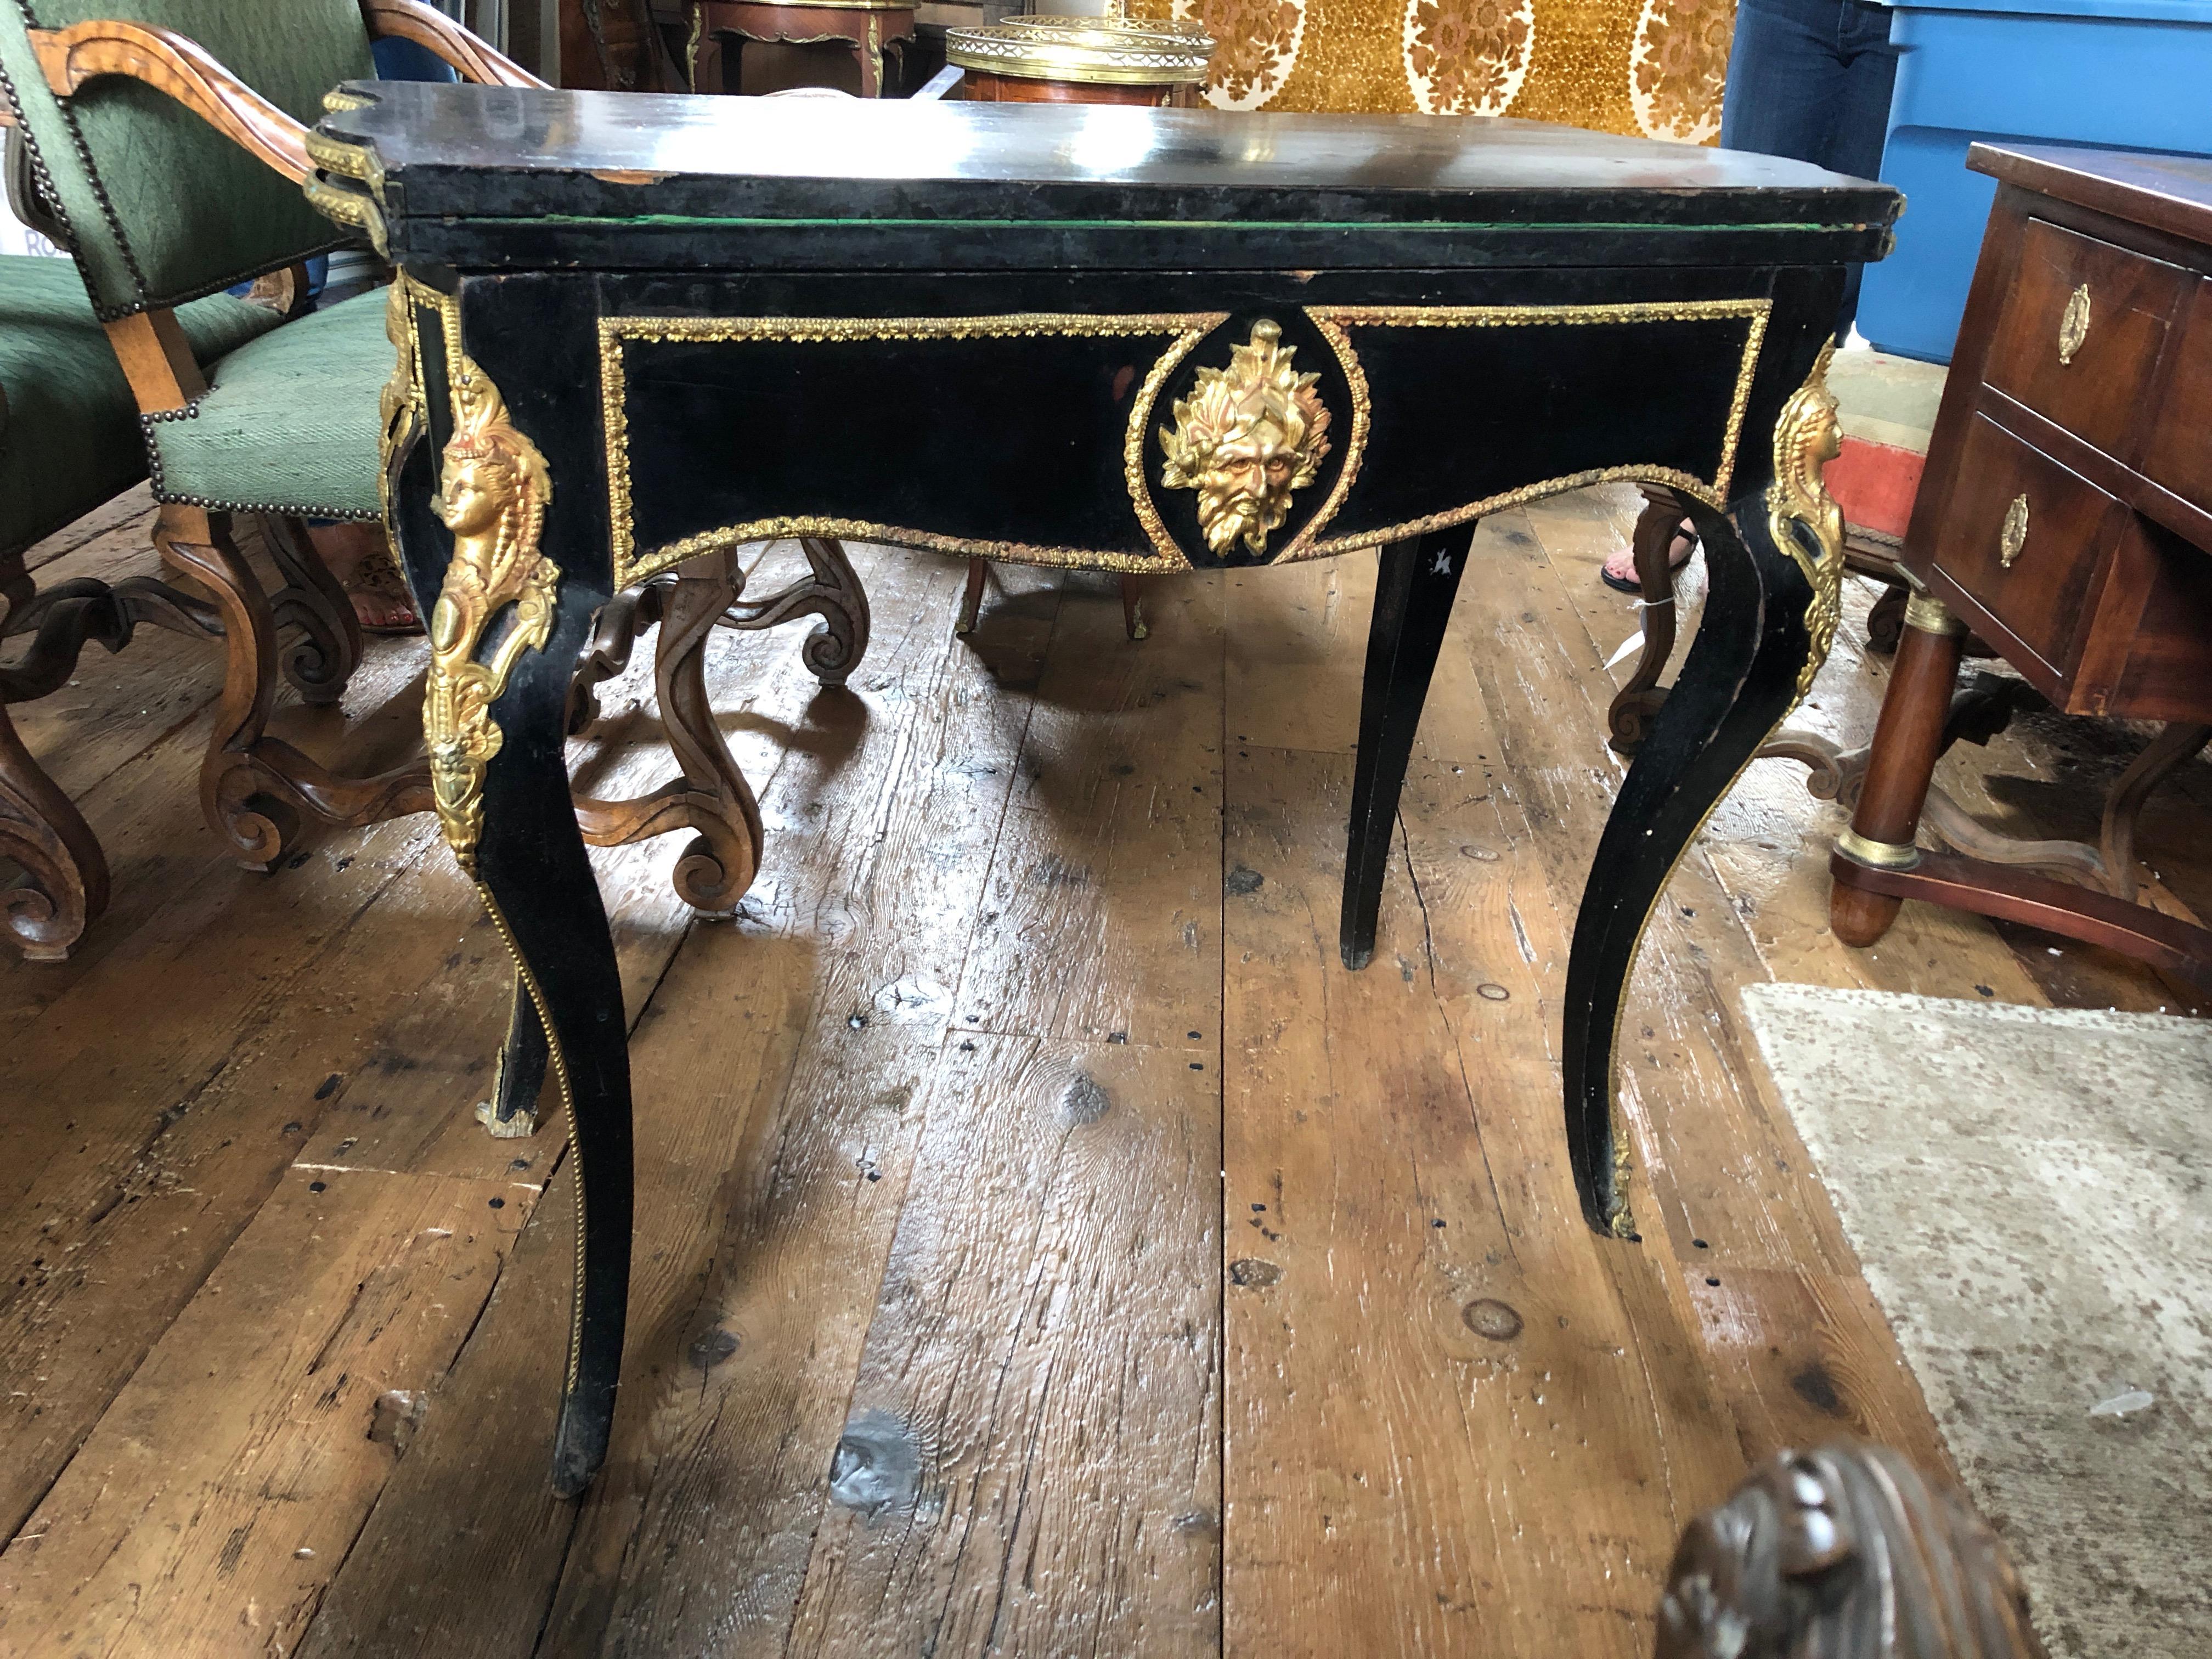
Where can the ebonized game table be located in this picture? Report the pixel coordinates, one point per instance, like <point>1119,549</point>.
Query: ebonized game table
<point>637,332</point>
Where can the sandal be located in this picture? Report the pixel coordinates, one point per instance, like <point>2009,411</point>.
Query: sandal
<point>381,599</point>
<point>1618,572</point>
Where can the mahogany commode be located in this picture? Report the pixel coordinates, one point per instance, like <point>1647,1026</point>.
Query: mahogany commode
<point>2066,517</point>
<point>640,330</point>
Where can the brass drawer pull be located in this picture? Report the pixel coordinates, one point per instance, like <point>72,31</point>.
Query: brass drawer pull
<point>2074,323</point>
<point>2014,536</point>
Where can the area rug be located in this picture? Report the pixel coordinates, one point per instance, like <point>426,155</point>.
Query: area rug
<point>2027,1189</point>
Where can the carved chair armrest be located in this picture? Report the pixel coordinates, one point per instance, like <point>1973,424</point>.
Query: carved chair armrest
<point>426,26</point>
<point>170,62</point>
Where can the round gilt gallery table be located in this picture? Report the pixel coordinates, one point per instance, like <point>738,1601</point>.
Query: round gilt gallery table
<point>870,27</point>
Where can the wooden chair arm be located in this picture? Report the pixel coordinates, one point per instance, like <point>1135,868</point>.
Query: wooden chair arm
<point>426,26</point>
<point>170,62</point>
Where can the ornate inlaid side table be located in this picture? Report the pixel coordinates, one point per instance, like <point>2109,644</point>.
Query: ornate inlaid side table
<point>1100,339</point>
<point>872,27</point>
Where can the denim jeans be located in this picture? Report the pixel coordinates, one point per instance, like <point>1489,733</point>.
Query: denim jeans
<point>1811,80</point>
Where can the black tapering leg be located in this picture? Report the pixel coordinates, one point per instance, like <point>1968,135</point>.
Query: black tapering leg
<point>1738,682</point>
<point>533,873</point>
<point>538,884</point>
<point>1413,593</point>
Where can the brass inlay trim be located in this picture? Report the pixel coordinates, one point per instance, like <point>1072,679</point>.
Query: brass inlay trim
<point>1335,323</point>
<point>337,99</point>
<point>2073,325</point>
<point>2012,535</point>
<point>1880,854</point>
<point>1931,616</point>
<point>529,982</point>
<point>631,565</point>
<point>347,160</point>
<point>354,209</point>
<point>1806,438</point>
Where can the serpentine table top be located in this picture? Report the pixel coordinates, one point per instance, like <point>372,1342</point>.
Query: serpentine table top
<point>637,332</point>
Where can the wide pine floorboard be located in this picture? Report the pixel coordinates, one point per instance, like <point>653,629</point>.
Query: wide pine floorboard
<point>1045,1247</point>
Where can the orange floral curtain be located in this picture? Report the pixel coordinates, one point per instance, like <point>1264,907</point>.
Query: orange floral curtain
<point>1648,67</point>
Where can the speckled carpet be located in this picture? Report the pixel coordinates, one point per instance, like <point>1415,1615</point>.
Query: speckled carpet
<point>2027,1188</point>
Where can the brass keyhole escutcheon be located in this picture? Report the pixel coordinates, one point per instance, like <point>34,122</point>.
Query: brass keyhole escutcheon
<point>2013,537</point>
<point>2074,323</point>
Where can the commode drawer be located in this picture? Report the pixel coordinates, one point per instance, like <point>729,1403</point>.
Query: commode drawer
<point>2080,334</point>
<point>2025,538</point>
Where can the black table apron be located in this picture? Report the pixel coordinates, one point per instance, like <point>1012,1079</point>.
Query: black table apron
<point>640,331</point>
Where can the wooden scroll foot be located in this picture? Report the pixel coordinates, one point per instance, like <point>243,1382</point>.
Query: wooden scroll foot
<point>255,790</point>
<point>1414,589</point>
<point>1738,681</point>
<point>834,593</point>
<point>1635,704</point>
<point>327,648</point>
<point>1886,620</point>
<point>1848,1553</point>
<point>65,885</point>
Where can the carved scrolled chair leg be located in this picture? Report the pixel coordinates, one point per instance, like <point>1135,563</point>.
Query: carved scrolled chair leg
<point>831,591</point>
<point>710,794</point>
<point>622,621</point>
<point>64,887</point>
<point>1630,715</point>
<point>327,648</point>
<point>1846,1552</point>
<point>255,789</point>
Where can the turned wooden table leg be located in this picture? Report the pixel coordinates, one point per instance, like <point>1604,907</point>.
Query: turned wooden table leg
<point>1908,738</point>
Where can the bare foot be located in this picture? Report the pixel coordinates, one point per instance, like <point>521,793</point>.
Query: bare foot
<point>358,555</point>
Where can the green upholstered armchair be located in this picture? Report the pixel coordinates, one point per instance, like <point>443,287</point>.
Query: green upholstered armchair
<point>167,141</point>
<point>68,442</point>
<point>168,137</point>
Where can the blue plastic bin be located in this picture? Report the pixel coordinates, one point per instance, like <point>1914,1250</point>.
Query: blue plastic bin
<point>2119,74</point>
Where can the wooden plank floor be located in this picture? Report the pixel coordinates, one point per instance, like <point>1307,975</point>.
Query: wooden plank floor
<point>1045,1247</point>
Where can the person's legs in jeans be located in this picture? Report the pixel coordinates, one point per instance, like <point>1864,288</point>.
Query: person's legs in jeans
<point>1811,80</point>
